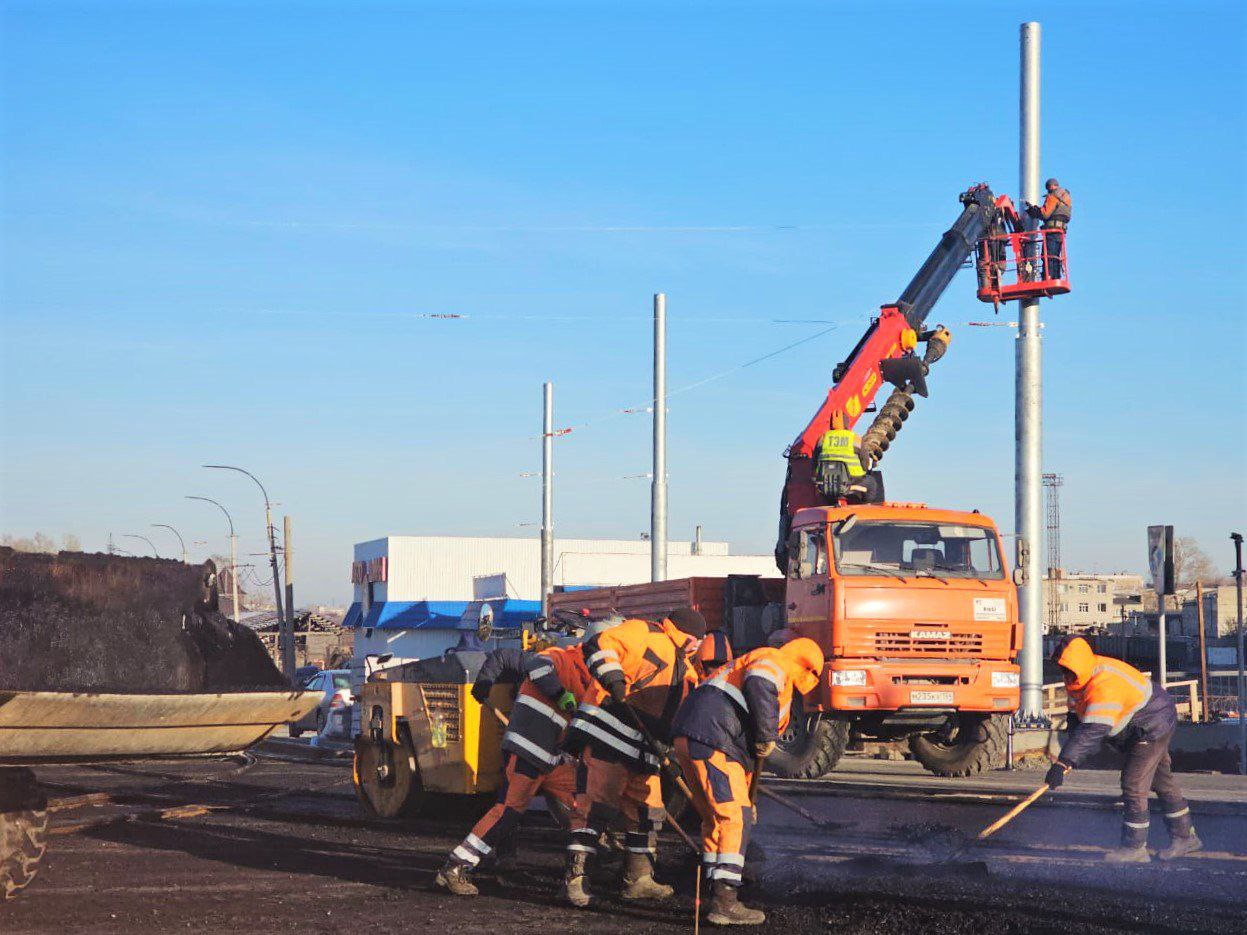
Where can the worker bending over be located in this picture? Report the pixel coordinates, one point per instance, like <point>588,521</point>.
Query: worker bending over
<point>1114,703</point>
<point>839,473</point>
<point>714,652</point>
<point>556,680</point>
<point>641,670</point>
<point>1055,213</point>
<point>723,732</point>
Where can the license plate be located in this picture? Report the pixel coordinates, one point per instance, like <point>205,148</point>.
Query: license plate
<point>917,697</point>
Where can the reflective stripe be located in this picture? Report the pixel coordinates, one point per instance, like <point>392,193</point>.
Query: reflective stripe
<point>1101,719</point>
<point>542,708</point>
<point>1136,825</point>
<point>466,855</point>
<point>736,860</point>
<point>1127,715</point>
<point>1178,814</point>
<point>722,684</point>
<point>607,667</point>
<point>540,672</point>
<point>783,712</point>
<point>479,845</point>
<point>641,850</point>
<point>526,744</point>
<point>768,675</point>
<point>600,655</point>
<point>708,857</point>
<point>610,720</point>
<point>723,873</point>
<point>582,847</point>
<point>1104,706</point>
<point>609,738</point>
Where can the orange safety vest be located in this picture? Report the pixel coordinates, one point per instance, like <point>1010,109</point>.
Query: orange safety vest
<point>537,725</point>
<point>1058,206</point>
<point>1104,690</point>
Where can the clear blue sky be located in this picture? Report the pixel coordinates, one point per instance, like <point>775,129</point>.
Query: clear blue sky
<point>220,222</point>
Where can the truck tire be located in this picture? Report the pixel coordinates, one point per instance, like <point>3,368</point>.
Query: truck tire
<point>23,828</point>
<point>810,747</point>
<point>978,744</point>
<point>399,795</point>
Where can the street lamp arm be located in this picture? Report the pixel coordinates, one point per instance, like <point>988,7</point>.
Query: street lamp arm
<point>218,506</point>
<point>150,544</point>
<point>181,541</point>
<point>230,467</point>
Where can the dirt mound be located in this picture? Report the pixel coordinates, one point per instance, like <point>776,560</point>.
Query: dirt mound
<point>102,623</point>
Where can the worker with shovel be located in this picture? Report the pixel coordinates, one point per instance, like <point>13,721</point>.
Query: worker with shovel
<point>1114,703</point>
<point>723,733</point>
<point>642,671</point>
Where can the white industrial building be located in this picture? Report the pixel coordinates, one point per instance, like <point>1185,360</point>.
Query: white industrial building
<point>416,596</point>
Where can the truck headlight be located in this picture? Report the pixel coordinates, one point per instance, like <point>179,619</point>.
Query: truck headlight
<point>1005,680</point>
<point>854,678</point>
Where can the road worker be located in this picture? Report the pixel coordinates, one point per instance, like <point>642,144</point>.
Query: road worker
<point>1055,214</point>
<point>642,671</point>
<point>503,667</point>
<point>723,732</point>
<point>1114,703</point>
<point>839,472</point>
<point>555,680</point>
<point>713,654</point>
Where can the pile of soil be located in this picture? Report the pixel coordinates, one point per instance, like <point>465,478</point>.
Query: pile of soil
<point>78,622</point>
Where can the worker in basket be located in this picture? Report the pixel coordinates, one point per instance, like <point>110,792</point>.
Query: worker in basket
<point>839,472</point>
<point>1054,213</point>
<point>1114,703</point>
<point>723,732</point>
<point>641,673</point>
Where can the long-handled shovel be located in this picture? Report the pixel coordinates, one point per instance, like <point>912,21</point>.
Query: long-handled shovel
<point>1012,813</point>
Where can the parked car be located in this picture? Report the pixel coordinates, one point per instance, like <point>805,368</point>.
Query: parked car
<point>305,674</point>
<point>336,687</point>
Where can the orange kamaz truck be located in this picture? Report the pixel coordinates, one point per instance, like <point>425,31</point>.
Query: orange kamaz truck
<point>913,606</point>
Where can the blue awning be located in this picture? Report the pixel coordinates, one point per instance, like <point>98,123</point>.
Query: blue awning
<point>440,615</point>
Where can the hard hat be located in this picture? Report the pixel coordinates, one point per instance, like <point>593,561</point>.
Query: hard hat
<point>809,661</point>
<point>837,419</point>
<point>1052,183</point>
<point>688,621</point>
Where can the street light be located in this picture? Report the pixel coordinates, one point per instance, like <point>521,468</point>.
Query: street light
<point>132,535</point>
<point>181,541</point>
<point>285,626</point>
<point>233,553</point>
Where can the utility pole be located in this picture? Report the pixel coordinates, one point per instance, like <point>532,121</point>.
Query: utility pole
<point>658,495</point>
<point>1237,538</point>
<point>1203,648</point>
<point>1052,486</point>
<point>547,496</point>
<point>1028,416</point>
<point>287,649</point>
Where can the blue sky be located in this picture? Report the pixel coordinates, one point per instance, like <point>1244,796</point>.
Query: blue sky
<point>221,221</point>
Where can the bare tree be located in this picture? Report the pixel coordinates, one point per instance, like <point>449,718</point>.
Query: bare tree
<point>1192,564</point>
<point>70,543</point>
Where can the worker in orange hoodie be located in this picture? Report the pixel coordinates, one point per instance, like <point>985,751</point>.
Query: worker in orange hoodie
<point>1055,214</point>
<point>723,730</point>
<point>640,670</point>
<point>556,680</point>
<point>1114,703</point>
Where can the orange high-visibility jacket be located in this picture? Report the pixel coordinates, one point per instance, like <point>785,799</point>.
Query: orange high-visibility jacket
<point>1108,696</point>
<point>1057,206</point>
<point>749,702</point>
<point>537,723</point>
<point>653,662</point>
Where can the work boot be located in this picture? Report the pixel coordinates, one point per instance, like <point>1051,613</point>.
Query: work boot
<point>456,878</point>
<point>576,879</point>
<point>1127,854</point>
<point>726,909</point>
<point>638,879</point>
<point>1180,846</point>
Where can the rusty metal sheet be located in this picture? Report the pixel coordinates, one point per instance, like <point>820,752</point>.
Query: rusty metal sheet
<point>48,727</point>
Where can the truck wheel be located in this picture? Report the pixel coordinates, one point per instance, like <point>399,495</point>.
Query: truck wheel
<point>400,793</point>
<point>977,744</point>
<point>23,826</point>
<point>810,747</point>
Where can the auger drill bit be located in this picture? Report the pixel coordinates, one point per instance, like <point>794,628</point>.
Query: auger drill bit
<point>909,374</point>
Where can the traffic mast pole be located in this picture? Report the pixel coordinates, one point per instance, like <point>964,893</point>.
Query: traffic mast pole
<point>658,495</point>
<point>547,497</point>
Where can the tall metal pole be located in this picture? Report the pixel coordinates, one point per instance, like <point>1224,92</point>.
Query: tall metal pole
<point>1029,407</point>
<point>287,650</point>
<point>547,496</point>
<point>658,496</point>
<point>1203,649</point>
<point>1237,537</point>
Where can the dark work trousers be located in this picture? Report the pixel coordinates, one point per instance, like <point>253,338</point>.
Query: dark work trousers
<point>1052,246</point>
<point>1147,770</point>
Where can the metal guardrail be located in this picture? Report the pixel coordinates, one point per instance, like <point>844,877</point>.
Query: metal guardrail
<point>1055,701</point>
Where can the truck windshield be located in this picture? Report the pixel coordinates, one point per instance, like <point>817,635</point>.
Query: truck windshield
<point>916,549</point>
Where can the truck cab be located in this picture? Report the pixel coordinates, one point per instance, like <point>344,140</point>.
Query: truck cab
<point>918,618</point>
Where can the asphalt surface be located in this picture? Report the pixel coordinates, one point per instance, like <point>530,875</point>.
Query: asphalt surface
<point>284,848</point>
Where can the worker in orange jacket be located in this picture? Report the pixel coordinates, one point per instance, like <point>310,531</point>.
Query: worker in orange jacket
<point>723,730</point>
<point>1055,214</point>
<point>714,652</point>
<point>556,680</point>
<point>640,670</point>
<point>1114,703</point>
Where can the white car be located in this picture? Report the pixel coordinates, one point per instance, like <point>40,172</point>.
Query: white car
<point>336,685</point>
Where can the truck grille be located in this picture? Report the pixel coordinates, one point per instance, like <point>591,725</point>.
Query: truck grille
<point>444,713</point>
<point>900,642</point>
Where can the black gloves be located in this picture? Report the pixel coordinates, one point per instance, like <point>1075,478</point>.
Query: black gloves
<point>480,691</point>
<point>1034,211</point>
<point>1056,775</point>
<point>618,691</point>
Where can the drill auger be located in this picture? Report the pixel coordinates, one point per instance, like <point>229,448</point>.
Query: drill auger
<point>909,375</point>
